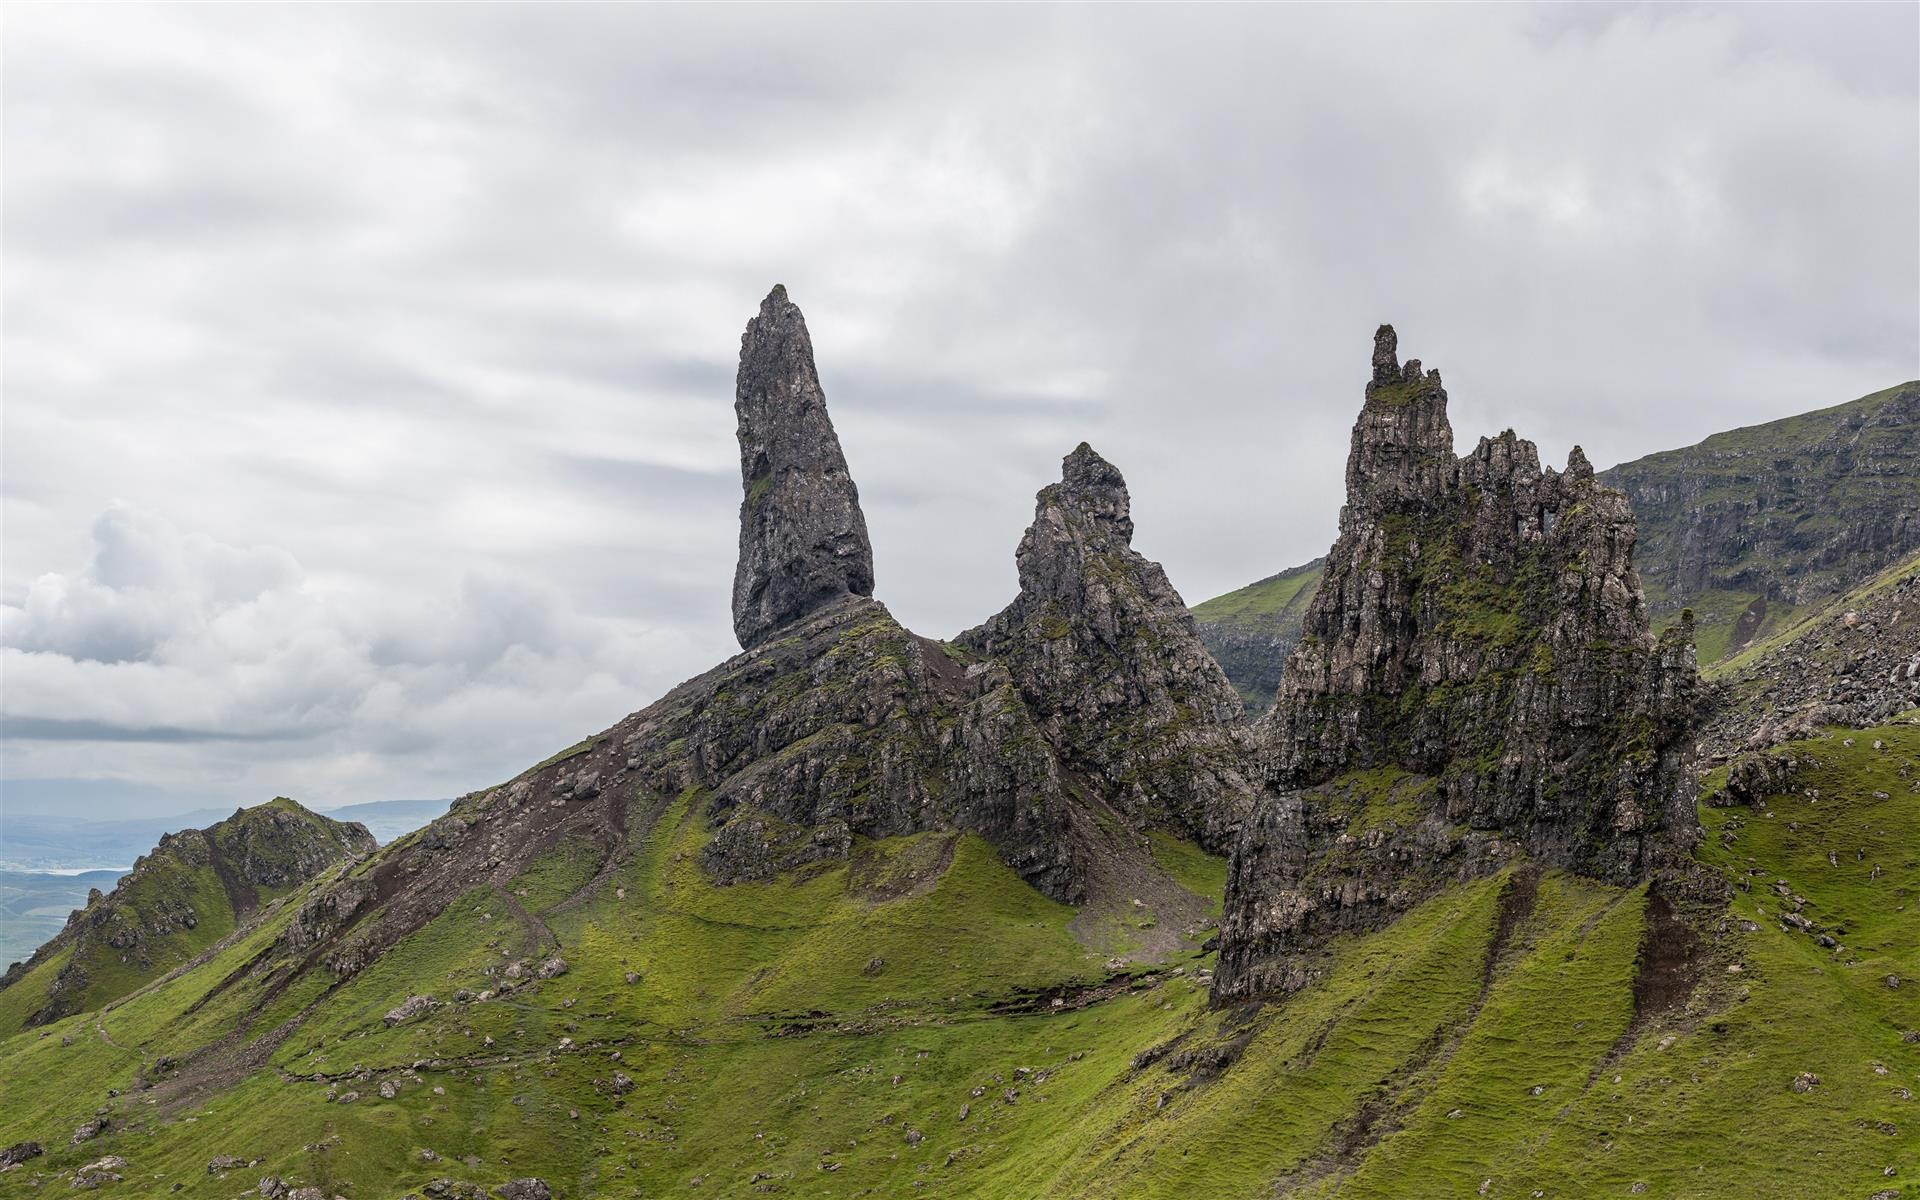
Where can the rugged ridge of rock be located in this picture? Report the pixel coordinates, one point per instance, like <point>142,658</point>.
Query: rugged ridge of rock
<point>215,877</point>
<point>1479,643</point>
<point>803,539</point>
<point>837,725</point>
<point>1105,655</point>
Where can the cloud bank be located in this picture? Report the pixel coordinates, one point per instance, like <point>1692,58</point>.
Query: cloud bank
<point>395,343</point>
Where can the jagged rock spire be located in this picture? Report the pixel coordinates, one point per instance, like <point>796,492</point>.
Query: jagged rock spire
<point>1402,442</point>
<point>803,540</point>
<point>1479,646</point>
<point>1106,656</point>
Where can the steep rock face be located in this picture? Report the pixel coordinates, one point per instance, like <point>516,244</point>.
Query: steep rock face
<point>194,883</point>
<point>1793,510</point>
<point>1480,628</point>
<point>803,540</point>
<point>1105,655</point>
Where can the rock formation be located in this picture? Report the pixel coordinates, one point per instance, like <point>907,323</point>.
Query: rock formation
<point>803,541</point>
<point>1743,528</point>
<point>1480,649</point>
<point>837,724</point>
<point>1106,657</point>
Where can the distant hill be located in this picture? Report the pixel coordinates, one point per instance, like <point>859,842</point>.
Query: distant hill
<point>1250,631</point>
<point>195,887</point>
<point>1747,528</point>
<point>390,819</point>
<point>1754,523</point>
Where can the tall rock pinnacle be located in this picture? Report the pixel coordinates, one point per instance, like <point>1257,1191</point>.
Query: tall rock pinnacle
<point>803,540</point>
<point>1402,443</point>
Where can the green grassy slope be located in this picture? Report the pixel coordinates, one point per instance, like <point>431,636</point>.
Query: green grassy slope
<point>1250,631</point>
<point>920,1022</point>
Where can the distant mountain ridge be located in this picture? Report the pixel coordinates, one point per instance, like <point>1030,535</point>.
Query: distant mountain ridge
<point>1745,528</point>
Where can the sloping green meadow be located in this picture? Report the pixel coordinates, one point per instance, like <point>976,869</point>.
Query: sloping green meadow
<point>920,1022</point>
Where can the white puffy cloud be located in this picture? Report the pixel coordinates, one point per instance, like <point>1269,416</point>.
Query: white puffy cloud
<point>206,655</point>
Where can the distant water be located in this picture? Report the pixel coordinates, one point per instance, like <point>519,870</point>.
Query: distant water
<point>34,905</point>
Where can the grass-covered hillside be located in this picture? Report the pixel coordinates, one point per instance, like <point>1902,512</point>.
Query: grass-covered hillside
<point>1250,632</point>
<point>196,888</point>
<point>918,1021</point>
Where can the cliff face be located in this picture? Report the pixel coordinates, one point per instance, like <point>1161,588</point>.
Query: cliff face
<point>1479,644</point>
<point>194,887</point>
<point>1105,655</point>
<point>1793,510</point>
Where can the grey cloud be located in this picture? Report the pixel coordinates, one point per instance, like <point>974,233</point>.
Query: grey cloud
<point>52,729</point>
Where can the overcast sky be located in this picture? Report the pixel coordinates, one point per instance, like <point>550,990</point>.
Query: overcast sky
<point>368,370</point>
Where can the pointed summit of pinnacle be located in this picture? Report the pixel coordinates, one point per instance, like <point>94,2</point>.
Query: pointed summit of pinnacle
<point>1386,355</point>
<point>1085,468</point>
<point>803,539</point>
<point>1094,488</point>
<point>1577,465</point>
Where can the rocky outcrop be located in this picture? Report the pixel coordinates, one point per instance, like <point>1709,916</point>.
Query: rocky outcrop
<point>1746,528</point>
<point>803,540</point>
<point>159,912</point>
<point>1480,630</point>
<point>1104,654</point>
<point>1855,663</point>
